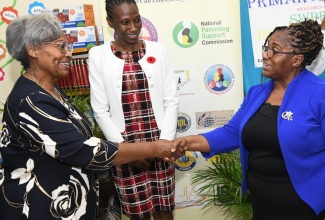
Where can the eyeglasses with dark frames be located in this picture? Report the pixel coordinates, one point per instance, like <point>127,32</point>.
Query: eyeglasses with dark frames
<point>63,46</point>
<point>270,52</point>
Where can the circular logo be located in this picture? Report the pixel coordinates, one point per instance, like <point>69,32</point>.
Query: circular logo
<point>219,79</point>
<point>72,12</point>
<point>82,33</point>
<point>185,34</point>
<point>148,31</point>
<point>183,122</point>
<point>36,8</point>
<point>187,161</point>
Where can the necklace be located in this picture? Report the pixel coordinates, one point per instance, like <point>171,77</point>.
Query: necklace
<point>87,127</point>
<point>57,96</point>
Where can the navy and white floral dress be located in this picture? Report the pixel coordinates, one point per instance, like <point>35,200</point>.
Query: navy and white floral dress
<point>50,158</point>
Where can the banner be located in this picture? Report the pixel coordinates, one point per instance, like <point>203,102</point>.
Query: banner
<point>262,16</point>
<point>203,39</point>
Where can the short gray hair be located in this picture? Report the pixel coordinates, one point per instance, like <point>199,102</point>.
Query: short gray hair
<point>31,30</point>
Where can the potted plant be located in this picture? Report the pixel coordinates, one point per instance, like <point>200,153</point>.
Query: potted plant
<point>222,187</point>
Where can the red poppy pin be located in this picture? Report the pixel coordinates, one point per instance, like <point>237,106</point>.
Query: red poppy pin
<point>151,60</point>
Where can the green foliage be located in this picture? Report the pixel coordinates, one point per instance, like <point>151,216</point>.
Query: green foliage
<point>81,100</point>
<point>222,187</point>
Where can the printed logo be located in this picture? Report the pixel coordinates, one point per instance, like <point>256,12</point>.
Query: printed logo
<point>213,159</point>
<point>185,34</point>
<point>189,197</point>
<point>183,122</point>
<point>2,76</point>
<point>36,8</point>
<point>187,161</point>
<point>148,31</point>
<point>2,52</point>
<point>213,119</point>
<point>185,86</point>
<point>8,14</point>
<point>219,79</point>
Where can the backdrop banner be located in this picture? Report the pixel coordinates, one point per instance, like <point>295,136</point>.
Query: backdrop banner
<point>259,18</point>
<point>203,39</point>
<point>285,12</point>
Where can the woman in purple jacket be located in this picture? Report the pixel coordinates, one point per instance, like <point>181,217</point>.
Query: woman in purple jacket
<point>280,129</point>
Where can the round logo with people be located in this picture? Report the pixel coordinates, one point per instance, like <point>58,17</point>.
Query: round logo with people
<point>219,79</point>
<point>187,161</point>
<point>148,31</point>
<point>185,34</point>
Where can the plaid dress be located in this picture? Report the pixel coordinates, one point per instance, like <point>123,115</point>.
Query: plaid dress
<point>141,191</point>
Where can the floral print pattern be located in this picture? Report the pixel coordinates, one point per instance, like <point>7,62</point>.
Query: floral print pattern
<point>2,177</point>
<point>5,135</point>
<point>66,194</point>
<point>23,174</point>
<point>50,157</point>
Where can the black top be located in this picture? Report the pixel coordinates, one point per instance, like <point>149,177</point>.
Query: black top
<point>260,137</point>
<point>271,191</point>
<point>49,157</point>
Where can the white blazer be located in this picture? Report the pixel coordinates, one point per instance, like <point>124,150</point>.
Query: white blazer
<point>105,75</point>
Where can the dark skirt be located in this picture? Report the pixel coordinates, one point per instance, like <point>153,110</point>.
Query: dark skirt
<point>278,201</point>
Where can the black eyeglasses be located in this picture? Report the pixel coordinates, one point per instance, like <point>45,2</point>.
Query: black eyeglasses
<point>270,52</point>
<point>63,46</point>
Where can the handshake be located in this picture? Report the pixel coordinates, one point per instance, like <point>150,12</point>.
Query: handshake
<point>171,150</point>
<point>141,154</point>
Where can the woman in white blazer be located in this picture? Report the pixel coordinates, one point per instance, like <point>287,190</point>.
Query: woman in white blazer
<point>133,96</point>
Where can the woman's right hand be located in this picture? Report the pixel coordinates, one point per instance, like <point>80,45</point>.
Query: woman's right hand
<point>172,151</point>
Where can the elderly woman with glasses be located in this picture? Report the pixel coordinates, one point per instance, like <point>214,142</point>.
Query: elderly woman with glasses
<point>50,158</point>
<point>280,130</point>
